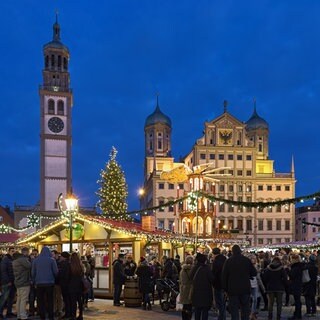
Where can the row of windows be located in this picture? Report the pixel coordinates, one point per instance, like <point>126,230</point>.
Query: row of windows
<point>51,107</point>
<point>273,227</point>
<point>270,240</point>
<point>269,187</point>
<point>231,188</point>
<point>221,156</point>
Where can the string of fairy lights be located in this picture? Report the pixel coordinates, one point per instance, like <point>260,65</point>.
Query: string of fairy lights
<point>34,220</point>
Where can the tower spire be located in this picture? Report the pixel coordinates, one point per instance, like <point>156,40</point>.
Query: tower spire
<point>157,106</point>
<point>225,105</point>
<point>292,165</point>
<point>254,105</point>
<point>56,29</point>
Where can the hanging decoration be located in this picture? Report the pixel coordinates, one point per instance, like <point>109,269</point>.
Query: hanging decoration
<point>4,228</point>
<point>33,220</point>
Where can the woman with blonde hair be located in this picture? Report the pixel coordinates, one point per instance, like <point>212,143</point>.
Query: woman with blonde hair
<point>185,282</point>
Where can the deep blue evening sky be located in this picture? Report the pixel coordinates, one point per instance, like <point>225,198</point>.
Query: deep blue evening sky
<point>194,53</point>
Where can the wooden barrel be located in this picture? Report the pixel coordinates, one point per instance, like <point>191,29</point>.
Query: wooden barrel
<point>132,296</point>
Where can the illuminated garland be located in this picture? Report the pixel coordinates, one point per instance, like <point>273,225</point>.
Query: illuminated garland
<point>250,204</point>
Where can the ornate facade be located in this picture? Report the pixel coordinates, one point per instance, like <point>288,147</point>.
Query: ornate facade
<point>235,155</point>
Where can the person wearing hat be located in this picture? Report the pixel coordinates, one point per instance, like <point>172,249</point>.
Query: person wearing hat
<point>119,278</point>
<point>144,274</point>
<point>201,293</point>
<point>217,266</point>
<point>236,274</point>
<point>129,266</point>
<point>310,288</point>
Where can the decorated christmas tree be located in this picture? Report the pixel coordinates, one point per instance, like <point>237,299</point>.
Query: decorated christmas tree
<point>113,191</point>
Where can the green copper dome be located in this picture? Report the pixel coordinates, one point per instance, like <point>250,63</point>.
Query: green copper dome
<point>157,117</point>
<point>256,122</point>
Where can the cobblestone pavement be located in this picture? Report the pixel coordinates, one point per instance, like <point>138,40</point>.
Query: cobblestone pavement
<point>104,309</point>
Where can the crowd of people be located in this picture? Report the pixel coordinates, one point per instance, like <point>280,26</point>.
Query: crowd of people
<point>56,284</point>
<point>52,284</point>
<point>235,282</point>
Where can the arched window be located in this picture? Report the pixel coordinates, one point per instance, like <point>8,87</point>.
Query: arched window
<point>65,64</point>
<point>60,107</point>
<point>52,60</point>
<point>208,225</point>
<point>185,225</point>
<point>200,226</point>
<point>46,62</point>
<point>59,61</point>
<point>159,141</point>
<point>51,106</point>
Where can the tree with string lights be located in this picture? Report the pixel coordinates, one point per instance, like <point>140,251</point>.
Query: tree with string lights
<point>113,191</point>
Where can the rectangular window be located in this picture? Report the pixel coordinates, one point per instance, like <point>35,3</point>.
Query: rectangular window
<point>239,156</point>
<point>314,219</point>
<point>221,156</point>
<point>171,186</point>
<point>181,186</point>
<point>260,187</point>
<point>278,225</point>
<point>249,225</point>
<point>230,172</point>
<point>269,225</point>
<point>249,173</point>
<point>248,157</point>
<point>160,224</point>
<point>240,188</point>
<point>239,172</point>
<point>260,240</point>
<point>240,224</point>
<point>260,209</point>
<point>287,225</point>
<point>230,206</point>
<point>230,156</point>
<point>202,156</point>
<point>278,240</point>
<point>278,208</point>
<point>287,239</point>
<point>269,188</point>
<point>212,156</point>
<point>230,188</point>
<point>171,208</point>
<point>221,188</point>
<point>269,209</point>
<point>161,185</point>
<point>221,207</point>
<point>249,188</point>
<point>278,188</point>
<point>287,188</point>
<point>260,224</point>
<point>180,206</point>
<point>314,229</point>
<point>287,208</point>
<point>269,241</point>
<point>249,209</point>
<point>240,207</point>
<point>171,225</point>
<point>161,202</point>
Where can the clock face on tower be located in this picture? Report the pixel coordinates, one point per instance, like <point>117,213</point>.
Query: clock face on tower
<point>55,124</point>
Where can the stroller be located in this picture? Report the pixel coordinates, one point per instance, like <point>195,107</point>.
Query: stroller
<point>167,290</point>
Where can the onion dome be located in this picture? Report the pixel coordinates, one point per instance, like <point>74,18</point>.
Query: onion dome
<point>157,117</point>
<point>256,122</point>
<point>56,40</point>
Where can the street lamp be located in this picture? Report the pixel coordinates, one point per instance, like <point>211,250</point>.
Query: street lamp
<point>71,203</point>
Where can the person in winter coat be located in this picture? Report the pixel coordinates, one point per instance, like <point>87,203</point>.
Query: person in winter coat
<point>130,266</point>
<point>119,278</point>
<point>185,284</point>
<point>254,289</point>
<point>44,271</point>
<point>236,275</point>
<point>275,279</point>
<point>76,286</point>
<point>217,266</point>
<point>63,281</point>
<point>7,283</point>
<point>309,289</point>
<point>201,295</point>
<point>167,268</point>
<point>22,279</point>
<point>144,274</point>
<point>177,263</point>
<point>295,283</point>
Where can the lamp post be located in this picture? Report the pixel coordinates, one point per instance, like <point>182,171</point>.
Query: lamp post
<point>71,203</point>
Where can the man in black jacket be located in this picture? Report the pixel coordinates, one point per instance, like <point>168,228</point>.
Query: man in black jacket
<point>217,266</point>
<point>119,278</point>
<point>63,281</point>
<point>7,283</point>
<point>236,275</point>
